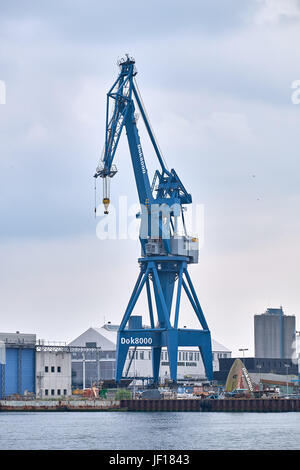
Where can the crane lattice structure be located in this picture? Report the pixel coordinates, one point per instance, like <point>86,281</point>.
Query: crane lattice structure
<point>165,254</point>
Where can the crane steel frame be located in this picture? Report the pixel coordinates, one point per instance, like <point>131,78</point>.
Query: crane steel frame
<point>158,272</point>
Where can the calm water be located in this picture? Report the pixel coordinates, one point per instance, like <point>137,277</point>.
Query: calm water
<point>127,430</point>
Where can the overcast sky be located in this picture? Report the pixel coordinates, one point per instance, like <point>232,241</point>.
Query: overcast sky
<point>216,79</point>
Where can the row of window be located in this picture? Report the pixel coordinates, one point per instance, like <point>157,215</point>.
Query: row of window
<point>276,364</point>
<point>182,355</point>
<point>189,356</point>
<point>93,355</point>
<point>139,354</point>
<point>52,368</point>
<point>182,364</point>
<point>52,392</point>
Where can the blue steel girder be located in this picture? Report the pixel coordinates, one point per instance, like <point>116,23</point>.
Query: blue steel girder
<point>157,338</point>
<point>170,189</point>
<point>164,272</point>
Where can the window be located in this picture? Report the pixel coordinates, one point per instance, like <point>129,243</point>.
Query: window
<point>52,392</point>
<point>52,369</point>
<point>46,392</point>
<point>46,369</point>
<point>142,355</point>
<point>59,369</point>
<point>58,391</point>
<point>65,391</point>
<point>149,354</point>
<point>179,356</point>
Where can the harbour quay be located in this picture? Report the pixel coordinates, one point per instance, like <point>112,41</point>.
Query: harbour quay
<point>214,405</point>
<point>169,405</point>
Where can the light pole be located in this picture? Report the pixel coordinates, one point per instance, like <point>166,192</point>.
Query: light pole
<point>287,384</point>
<point>298,358</point>
<point>134,365</point>
<point>243,349</point>
<point>83,370</point>
<point>259,366</point>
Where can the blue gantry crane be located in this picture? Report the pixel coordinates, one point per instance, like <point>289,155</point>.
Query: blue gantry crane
<point>165,253</point>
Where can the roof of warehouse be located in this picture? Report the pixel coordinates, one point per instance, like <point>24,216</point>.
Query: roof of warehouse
<point>18,337</point>
<point>109,333</point>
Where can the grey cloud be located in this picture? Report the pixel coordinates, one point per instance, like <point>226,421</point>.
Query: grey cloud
<point>92,20</point>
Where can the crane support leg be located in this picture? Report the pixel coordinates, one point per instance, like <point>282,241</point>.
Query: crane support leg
<point>156,353</point>
<point>121,356</point>
<point>173,352</point>
<point>164,273</point>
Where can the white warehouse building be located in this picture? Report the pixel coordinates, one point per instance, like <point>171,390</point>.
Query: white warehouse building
<point>53,372</point>
<point>88,369</point>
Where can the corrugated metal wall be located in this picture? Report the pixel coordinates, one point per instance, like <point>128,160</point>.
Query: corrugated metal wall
<point>18,374</point>
<point>2,380</point>
<point>28,371</point>
<point>11,371</point>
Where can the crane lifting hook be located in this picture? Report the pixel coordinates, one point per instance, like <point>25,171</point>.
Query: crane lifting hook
<point>106,202</point>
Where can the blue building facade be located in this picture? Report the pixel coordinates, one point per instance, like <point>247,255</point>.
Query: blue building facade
<point>17,367</point>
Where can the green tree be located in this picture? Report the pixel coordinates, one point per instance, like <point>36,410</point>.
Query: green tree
<point>123,394</point>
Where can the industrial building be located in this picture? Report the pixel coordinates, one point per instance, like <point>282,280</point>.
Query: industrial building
<point>264,371</point>
<point>53,371</point>
<point>17,364</point>
<point>87,368</point>
<point>28,368</point>
<point>276,356</point>
<point>31,367</point>
<point>274,334</point>
<point>258,366</point>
